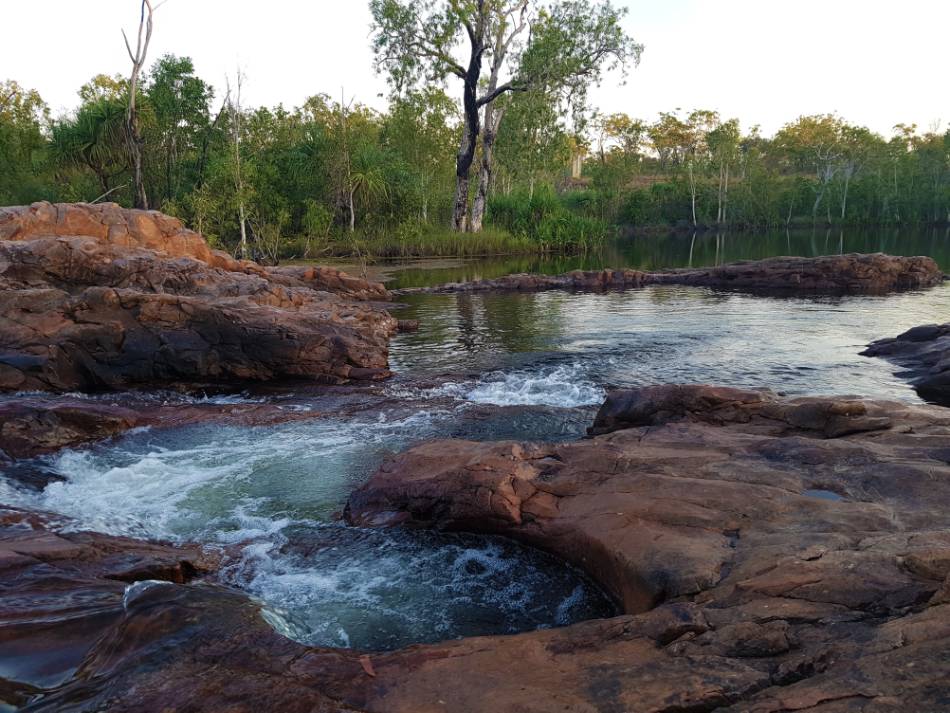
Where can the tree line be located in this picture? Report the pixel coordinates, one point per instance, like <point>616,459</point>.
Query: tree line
<point>487,115</point>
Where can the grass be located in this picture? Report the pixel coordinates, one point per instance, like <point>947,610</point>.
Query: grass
<point>420,242</point>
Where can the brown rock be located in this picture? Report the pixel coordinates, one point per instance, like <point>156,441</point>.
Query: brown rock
<point>808,536</point>
<point>743,591</point>
<point>98,297</point>
<point>924,354</point>
<point>852,273</point>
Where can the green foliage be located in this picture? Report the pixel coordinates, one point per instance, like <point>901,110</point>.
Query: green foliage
<point>545,219</point>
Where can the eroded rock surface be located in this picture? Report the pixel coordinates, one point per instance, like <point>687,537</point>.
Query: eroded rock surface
<point>99,297</point>
<point>852,273</point>
<point>924,354</point>
<point>771,554</point>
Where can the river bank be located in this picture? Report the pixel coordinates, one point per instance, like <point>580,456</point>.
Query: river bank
<point>281,601</point>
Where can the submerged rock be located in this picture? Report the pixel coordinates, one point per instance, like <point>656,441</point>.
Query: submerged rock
<point>852,273</point>
<point>924,354</point>
<point>99,297</point>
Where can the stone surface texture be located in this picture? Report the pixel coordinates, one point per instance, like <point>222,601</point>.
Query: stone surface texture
<point>99,297</point>
<point>850,273</point>
<point>770,554</point>
<point>924,355</point>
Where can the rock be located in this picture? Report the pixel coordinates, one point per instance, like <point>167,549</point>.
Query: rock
<point>852,273</point>
<point>742,591</point>
<point>98,297</point>
<point>32,426</point>
<point>924,354</point>
<point>710,498</point>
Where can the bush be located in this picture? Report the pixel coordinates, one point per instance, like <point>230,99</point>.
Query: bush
<point>544,219</point>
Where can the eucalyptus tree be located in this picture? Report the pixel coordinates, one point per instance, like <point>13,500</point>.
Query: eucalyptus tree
<point>179,103</point>
<point>813,143</point>
<point>558,48</point>
<point>723,141</point>
<point>23,119</point>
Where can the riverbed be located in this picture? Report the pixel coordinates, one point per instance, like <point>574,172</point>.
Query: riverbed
<point>482,366</point>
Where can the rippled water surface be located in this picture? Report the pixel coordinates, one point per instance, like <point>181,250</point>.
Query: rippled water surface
<point>482,366</point>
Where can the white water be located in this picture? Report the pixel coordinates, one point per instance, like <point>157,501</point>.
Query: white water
<point>272,492</point>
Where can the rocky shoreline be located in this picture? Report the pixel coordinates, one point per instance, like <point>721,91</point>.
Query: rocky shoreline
<point>103,298</point>
<point>769,554</point>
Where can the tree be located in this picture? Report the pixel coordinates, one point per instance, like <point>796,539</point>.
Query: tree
<point>132,115</point>
<point>179,102</point>
<point>723,142</point>
<point>813,142</point>
<point>95,139</point>
<point>23,118</point>
<point>569,44</point>
<point>236,119</point>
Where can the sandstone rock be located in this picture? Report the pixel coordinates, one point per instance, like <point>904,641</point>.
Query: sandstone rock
<point>809,537</point>
<point>97,297</point>
<point>31,426</point>
<point>743,589</point>
<point>924,354</point>
<point>852,273</point>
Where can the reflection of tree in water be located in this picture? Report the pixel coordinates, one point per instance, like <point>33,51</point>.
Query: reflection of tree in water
<point>700,249</point>
<point>509,322</point>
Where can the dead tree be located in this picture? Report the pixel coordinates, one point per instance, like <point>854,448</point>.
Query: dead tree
<point>133,133</point>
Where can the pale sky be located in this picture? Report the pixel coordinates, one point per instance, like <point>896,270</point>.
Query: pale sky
<point>875,62</point>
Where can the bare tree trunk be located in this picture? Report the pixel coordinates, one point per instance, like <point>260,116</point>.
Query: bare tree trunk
<point>725,197</point>
<point>692,190</point>
<point>133,134</point>
<point>493,119</point>
<point>235,111</point>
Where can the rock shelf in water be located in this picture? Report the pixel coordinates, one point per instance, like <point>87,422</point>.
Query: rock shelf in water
<point>852,273</point>
<point>924,354</point>
<point>694,506</point>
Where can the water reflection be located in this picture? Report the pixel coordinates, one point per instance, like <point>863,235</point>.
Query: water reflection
<point>658,252</point>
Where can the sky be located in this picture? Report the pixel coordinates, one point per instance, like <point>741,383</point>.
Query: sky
<point>874,62</point>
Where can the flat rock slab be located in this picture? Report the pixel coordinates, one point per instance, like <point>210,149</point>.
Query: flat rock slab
<point>833,274</point>
<point>696,508</point>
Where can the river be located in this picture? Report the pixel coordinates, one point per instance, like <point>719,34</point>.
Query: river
<point>482,366</point>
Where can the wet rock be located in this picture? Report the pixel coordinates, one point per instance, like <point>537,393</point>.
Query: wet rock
<point>695,495</point>
<point>852,273</point>
<point>98,297</point>
<point>36,425</point>
<point>924,354</point>
<point>741,593</point>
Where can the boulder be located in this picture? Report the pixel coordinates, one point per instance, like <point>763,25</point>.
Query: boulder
<point>924,355</point>
<point>99,297</point>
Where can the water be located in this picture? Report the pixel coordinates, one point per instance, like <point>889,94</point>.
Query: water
<point>658,252</point>
<point>483,366</point>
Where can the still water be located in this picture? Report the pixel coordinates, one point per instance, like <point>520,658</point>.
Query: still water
<point>482,366</point>
<point>692,250</point>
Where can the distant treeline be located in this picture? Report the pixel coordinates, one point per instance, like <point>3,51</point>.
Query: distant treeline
<point>333,176</point>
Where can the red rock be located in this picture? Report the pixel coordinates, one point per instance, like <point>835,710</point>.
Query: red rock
<point>852,273</point>
<point>98,297</point>
<point>742,592</point>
